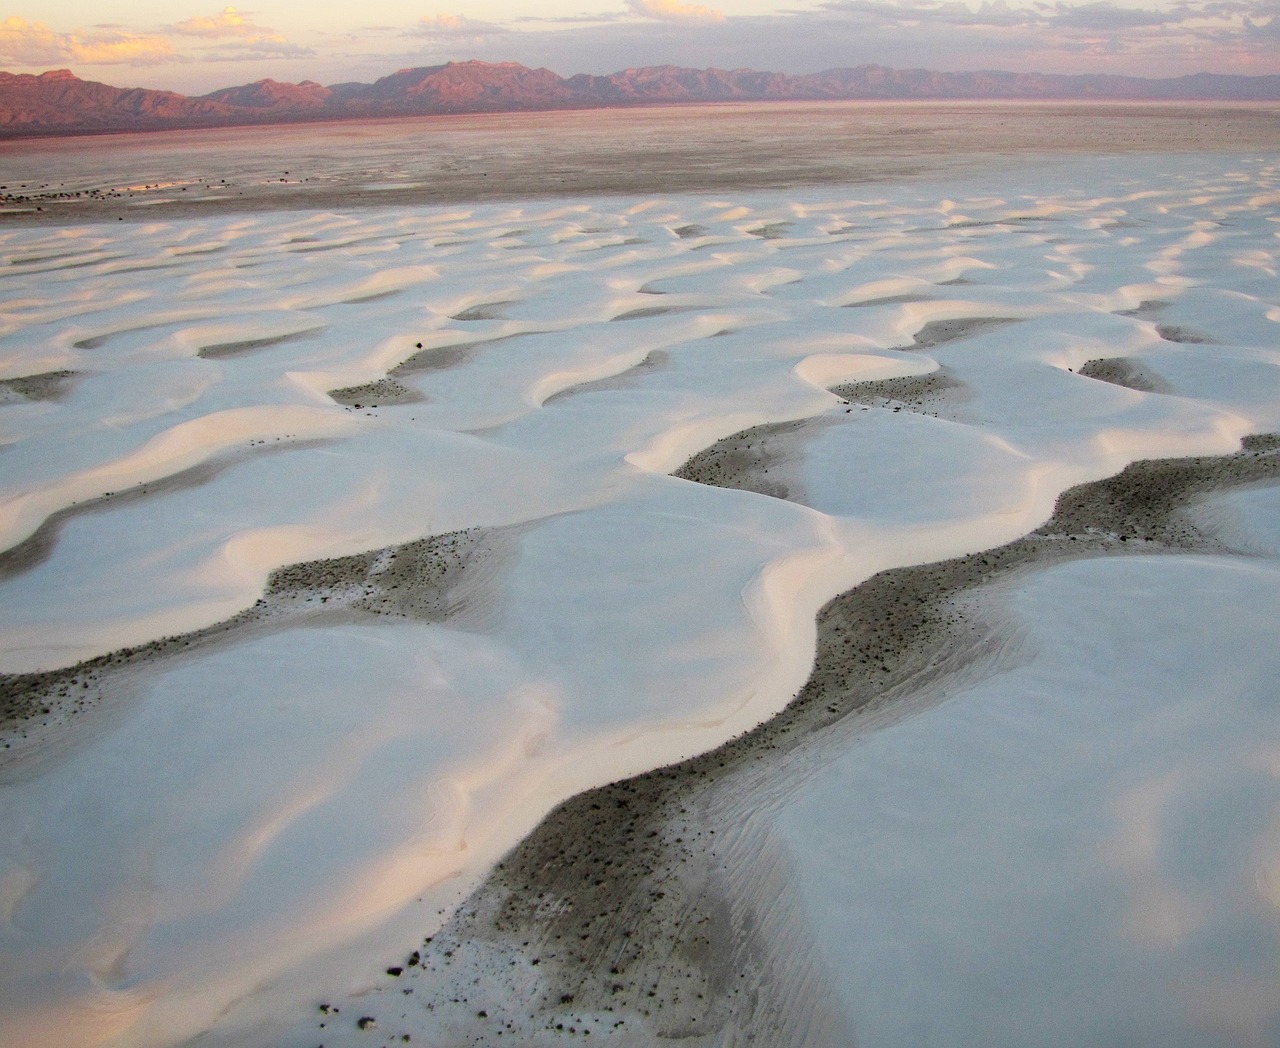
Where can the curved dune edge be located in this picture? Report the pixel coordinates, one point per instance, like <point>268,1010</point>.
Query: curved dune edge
<point>380,391</point>
<point>764,458</point>
<point>180,448</point>
<point>48,385</point>
<point>423,580</point>
<point>39,545</point>
<point>925,393</point>
<point>1124,371</point>
<point>655,907</point>
<point>745,459</point>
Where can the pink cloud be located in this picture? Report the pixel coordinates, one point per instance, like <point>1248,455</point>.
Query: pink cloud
<point>228,23</point>
<point>451,26</point>
<point>24,43</point>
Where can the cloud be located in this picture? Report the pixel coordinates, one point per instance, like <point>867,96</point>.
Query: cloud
<point>927,12</point>
<point>24,43</point>
<point>231,36</point>
<point>597,18</point>
<point>234,36</point>
<point>1270,29</point>
<point>227,24</point>
<point>254,51</point>
<point>1111,18</point>
<point>448,26</point>
<point>1100,16</point>
<point>675,11</point>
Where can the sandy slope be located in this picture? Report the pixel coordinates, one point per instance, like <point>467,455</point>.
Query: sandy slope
<point>766,891</point>
<point>348,722</point>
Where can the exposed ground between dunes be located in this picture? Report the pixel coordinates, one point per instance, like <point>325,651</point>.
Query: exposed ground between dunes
<point>656,908</point>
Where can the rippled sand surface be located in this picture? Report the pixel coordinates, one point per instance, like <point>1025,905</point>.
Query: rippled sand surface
<point>344,544</point>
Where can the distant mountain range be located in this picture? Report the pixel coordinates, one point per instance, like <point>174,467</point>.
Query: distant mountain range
<point>58,102</point>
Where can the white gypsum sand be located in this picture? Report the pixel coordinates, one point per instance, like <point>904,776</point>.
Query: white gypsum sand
<point>1092,822</point>
<point>727,892</point>
<point>216,833</point>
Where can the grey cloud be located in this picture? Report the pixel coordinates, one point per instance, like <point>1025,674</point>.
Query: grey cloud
<point>1263,18</point>
<point>251,51</point>
<point>1097,16</point>
<point>448,27</point>
<point>575,20</point>
<point>1104,17</point>
<point>936,13</point>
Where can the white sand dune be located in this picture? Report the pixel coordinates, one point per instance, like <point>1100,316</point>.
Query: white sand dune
<point>227,835</point>
<point>1093,822</point>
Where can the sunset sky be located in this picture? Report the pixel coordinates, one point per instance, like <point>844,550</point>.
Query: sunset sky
<point>149,43</point>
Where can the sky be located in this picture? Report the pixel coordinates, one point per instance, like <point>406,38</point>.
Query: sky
<point>190,47</point>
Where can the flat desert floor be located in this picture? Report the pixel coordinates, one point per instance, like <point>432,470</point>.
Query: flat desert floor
<point>678,149</point>
<point>797,575</point>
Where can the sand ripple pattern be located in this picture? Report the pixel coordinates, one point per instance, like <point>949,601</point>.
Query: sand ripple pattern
<point>240,431</point>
